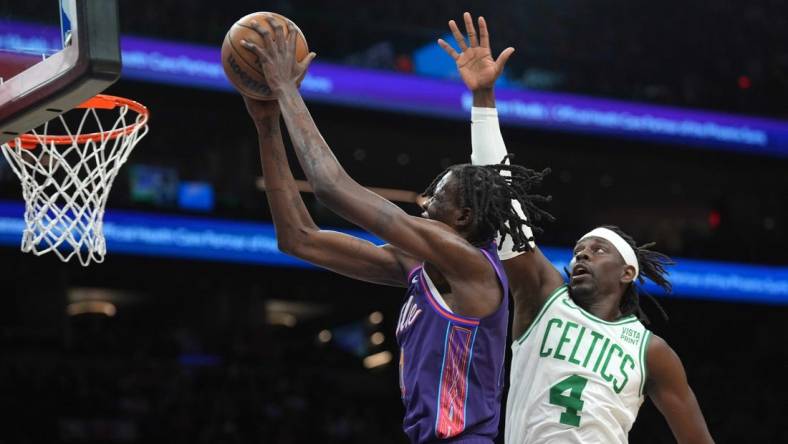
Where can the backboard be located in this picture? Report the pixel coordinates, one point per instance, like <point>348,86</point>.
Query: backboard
<point>49,68</point>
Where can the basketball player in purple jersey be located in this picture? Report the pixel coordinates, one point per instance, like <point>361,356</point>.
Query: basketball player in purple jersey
<point>568,397</point>
<point>452,326</point>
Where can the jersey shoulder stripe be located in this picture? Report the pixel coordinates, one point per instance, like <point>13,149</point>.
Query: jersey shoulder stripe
<point>550,300</point>
<point>643,353</point>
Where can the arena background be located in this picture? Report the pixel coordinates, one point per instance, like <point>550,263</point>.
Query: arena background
<point>197,345</point>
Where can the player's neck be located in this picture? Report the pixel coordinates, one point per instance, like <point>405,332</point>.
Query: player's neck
<point>605,307</point>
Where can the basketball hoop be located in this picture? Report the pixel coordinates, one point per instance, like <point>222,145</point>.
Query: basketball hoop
<point>67,168</point>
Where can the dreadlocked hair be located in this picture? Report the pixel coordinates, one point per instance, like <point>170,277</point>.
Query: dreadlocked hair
<point>489,195</point>
<point>652,266</point>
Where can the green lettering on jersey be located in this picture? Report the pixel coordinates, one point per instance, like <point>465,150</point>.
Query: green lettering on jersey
<point>577,344</point>
<point>624,372</point>
<point>564,339</point>
<point>601,354</point>
<point>572,403</point>
<point>597,337</point>
<point>542,351</point>
<point>614,348</point>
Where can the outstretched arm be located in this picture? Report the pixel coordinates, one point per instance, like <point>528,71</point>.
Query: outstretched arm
<point>429,240</point>
<point>297,233</point>
<point>668,388</point>
<point>531,276</point>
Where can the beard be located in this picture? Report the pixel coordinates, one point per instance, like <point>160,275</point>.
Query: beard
<point>583,293</point>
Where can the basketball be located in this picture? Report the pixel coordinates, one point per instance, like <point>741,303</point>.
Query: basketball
<point>240,64</point>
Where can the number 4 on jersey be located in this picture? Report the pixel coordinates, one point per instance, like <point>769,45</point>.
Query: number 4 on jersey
<point>574,385</point>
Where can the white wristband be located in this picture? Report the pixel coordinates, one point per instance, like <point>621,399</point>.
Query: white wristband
<point>487,143</point>
<point>488,148</point>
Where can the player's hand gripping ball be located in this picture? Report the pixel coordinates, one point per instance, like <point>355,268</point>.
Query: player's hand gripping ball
<point>240,64</point>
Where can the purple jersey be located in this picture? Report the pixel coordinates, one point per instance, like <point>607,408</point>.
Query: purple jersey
<point>451,367</point>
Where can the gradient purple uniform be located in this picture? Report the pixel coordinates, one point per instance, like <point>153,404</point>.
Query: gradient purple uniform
<point>451,366</point>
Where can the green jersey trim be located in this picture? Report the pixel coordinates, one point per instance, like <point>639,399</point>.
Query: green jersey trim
<point>643,354</point>
<point>622,321</point>
<point>550,299</point>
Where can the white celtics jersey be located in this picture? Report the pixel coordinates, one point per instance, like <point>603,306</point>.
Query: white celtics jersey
<point>574,377</point>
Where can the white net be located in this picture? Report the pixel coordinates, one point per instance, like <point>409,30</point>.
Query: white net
<point>66,184</point>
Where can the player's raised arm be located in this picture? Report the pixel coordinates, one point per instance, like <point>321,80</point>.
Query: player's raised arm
<point>296,232</point>
<point>531,276</point>
<point>667,386</point>
<point>425,239</point>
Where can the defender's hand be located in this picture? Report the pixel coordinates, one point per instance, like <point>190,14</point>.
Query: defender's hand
<point>475,63</point>
<point>277,56</point>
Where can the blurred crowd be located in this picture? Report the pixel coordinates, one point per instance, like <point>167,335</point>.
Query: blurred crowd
<point>118,380</point>
<point>271,389</point>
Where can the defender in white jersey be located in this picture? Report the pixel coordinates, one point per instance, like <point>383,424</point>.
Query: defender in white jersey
<point>582,361</point>
<point>580,370</point>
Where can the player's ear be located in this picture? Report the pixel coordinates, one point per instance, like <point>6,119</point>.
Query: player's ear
<point>464,217</point>
<point>628,275</point>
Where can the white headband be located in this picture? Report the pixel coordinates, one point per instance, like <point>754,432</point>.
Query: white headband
<point>618,242</point>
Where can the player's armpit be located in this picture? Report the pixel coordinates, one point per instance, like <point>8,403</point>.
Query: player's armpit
<point>668,388</point>
<point>353,257</point>
<point>532,278</point>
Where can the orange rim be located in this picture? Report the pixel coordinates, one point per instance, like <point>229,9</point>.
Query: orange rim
<point>100,101</point>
